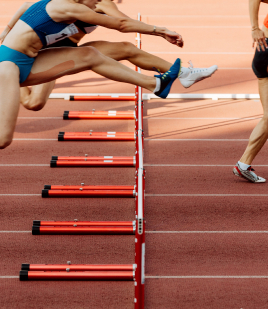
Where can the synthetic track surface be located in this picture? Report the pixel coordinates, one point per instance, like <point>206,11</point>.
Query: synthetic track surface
<point>206,241</point>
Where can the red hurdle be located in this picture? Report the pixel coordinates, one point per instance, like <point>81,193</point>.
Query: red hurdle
<point>82,230</point>
<point>104,115</point>
<point>88,193</point>
<point>96,136</point>
<point>78,267</point>
<point>84,223</point>
<point>86,161</point>
<point>49,187</point>
<point>86,158</point>
<point>77,275</point>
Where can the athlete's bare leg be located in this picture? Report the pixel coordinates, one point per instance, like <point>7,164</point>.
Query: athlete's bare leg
<point>51,64</point>
<point>259,135</point>
<point>9,101</point>
<point>128,51</point>
<point>36,98</point>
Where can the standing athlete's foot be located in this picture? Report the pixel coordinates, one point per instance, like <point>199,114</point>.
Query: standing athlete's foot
<point>247,174</point>
<point>196,74</point>
<point>167,79</point>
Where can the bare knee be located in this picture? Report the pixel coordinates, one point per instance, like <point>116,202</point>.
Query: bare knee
<point>90,55</point>
<point>5,142</point>
<point>33,103</point>
<point>129,49</point>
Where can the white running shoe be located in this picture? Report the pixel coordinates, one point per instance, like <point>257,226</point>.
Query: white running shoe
<point>247,174</point>
<point>197,74</point>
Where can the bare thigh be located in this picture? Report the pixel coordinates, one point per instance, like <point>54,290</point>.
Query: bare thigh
<point>53,63</point>
<point>115,50</point>
<point>9,101</point>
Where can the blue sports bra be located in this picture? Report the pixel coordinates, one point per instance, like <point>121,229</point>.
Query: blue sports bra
<point>46,28</point>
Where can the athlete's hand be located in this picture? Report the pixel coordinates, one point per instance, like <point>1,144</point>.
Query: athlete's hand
<point>258,37</point>
<point>174,38</point>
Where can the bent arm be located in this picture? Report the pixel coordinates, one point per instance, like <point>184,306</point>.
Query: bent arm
<point>14,19</point>
<point>123,24</point>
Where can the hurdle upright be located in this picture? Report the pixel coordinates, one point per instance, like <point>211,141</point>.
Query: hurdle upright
<point>140,182</point>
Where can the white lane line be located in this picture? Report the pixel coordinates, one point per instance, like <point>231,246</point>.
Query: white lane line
<point>40,118</point>
<point>201,53</point>
<point>22,165</point>
<point>196,140</point>
<point>20,194</point>
<point>199,118</point>
<point>210,27</point>
<point>206,277</point>
<point>196,16</point>
<point>207,232</point>
<point>205,195</point>
<point>35,139</point>
<point>15,232</point>
<point>9,277</point>
<point>234,68</point>
<point>197,165</point>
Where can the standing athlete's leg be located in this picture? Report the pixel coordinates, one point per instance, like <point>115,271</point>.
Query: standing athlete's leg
<point>259,135</point>
<point>36,97</point>
<point>257,139</point>
<point>9,101</point>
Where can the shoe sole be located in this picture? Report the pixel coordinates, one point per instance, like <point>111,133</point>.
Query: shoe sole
<point>199,80</point>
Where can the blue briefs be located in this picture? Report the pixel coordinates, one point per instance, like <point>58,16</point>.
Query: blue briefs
<point>24,62</point>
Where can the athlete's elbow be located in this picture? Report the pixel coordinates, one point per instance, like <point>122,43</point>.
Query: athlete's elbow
<point>124,25</point>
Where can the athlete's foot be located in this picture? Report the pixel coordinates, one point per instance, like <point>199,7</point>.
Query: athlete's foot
<point>195,75</point>
<point>247,174</point>
<point>167,79</point>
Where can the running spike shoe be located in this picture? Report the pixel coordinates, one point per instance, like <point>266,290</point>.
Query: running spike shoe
<point>168,78</point>
<point>197,74</point>
<point>247,174</point>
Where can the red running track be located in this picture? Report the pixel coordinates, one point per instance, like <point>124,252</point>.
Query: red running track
<point>191,154</point>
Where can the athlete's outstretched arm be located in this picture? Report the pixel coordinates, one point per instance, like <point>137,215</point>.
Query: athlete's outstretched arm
<point>14,19</point>
<point>257,34</point>
<point>122,24</point>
